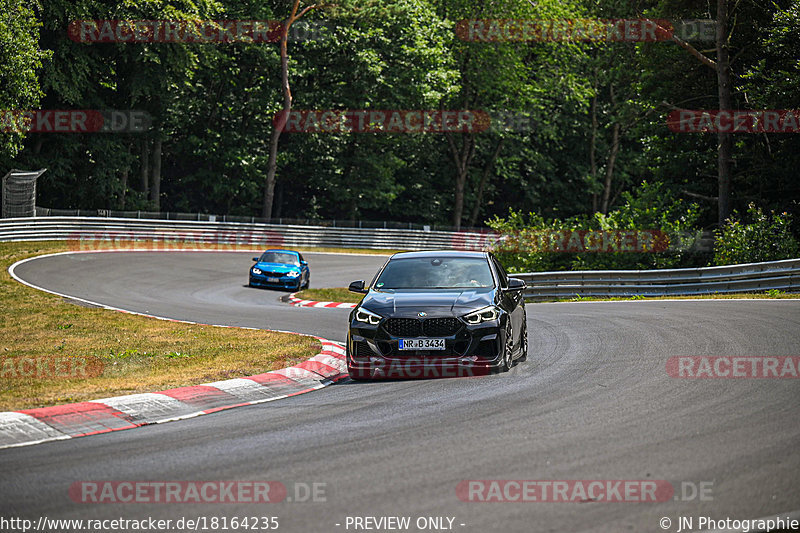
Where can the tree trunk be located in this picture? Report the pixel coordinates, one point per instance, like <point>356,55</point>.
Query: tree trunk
<point>724,140</point>
<point>145,175</point>
<point>484,178</point>
<point>272,166</point>
<point>155,190</point>
<point>124,187</point>
<point>593,152</point>
<point>124,181</point>
<point>458,207</point>
<point>612,158</point>
<point>725,147</point>
<point>462,158</point>
<point>279,201</point>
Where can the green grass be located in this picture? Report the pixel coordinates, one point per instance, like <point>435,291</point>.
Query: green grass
<point>339,294</point>
<point>74,353</point>
<point>343,295</point>
<point>768,295</point>
<point>350,251</point>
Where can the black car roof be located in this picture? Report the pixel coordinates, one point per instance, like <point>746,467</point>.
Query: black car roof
<point>439,253</point>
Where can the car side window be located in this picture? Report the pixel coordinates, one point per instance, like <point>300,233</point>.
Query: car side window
<point>301,257</point>
<point>500,272</point>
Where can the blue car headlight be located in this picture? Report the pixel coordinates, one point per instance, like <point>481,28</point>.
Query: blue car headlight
<point>293,274</point>
<point>256,270</point>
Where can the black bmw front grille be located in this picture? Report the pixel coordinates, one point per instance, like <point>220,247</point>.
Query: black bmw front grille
<point>440,327</point>
<point>429,327</point>
<point>404,327</point>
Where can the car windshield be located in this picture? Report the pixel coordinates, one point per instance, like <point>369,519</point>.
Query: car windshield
<point>436,273</point>
<point>285,258</point>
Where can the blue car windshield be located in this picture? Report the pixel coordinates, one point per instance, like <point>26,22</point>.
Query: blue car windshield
<point>284,258</point>
<point>436,273</point>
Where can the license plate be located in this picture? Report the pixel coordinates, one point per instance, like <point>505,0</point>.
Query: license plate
<point>422,344</point>
<point>274,280</point>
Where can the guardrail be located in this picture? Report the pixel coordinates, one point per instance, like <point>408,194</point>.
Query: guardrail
<point>210,217</point>
<point>753,277</point>
<point>89,232</point>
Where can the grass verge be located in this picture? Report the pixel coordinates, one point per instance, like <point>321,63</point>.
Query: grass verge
<point>339,294</point>
<point>54,352</point>
<point>768,295</point>
<point>344,296</point>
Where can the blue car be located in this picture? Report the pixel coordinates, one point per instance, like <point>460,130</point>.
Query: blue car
<point>280,269</point>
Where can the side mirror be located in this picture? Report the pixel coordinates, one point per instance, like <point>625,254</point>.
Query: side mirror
<point>516,284</point>
<point>255,259</point>
<point>303,263</point>
<point>357,286</point>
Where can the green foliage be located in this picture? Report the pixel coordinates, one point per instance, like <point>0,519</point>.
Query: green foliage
<point>523,245</point>
<point>20,57</point>
<point>756,237</point>
<point>516,246</point>
<point>213,105</point>
<point>649,207</point>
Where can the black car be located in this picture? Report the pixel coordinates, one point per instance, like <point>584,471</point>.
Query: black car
<point>437,314</point>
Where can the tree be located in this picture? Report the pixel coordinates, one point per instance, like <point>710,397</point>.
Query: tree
<point>269,188</point>
<point>505,77</point>
<point>20,58</point>
<point>722,68</point>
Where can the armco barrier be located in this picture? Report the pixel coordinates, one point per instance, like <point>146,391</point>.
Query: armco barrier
<point>752,277</point>
<point>183,234</point>
<point>174,234</point>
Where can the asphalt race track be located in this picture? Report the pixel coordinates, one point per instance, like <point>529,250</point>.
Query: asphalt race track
<point>593,402</point>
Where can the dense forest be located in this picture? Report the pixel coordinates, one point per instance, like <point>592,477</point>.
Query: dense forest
<point>577,125</point>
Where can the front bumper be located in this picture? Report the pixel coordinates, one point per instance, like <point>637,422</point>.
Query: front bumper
<point>373,353</point>
<point>285,282</point>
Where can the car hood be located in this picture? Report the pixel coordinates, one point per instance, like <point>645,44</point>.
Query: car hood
<point>435,302</point>
<point>276,267</point>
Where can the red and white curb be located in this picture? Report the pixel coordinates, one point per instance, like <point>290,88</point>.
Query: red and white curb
<point>33,426</point>
<point>299,302</point>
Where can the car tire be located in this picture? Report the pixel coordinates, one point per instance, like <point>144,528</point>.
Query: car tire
<point>524,351</point>
<point>507,359</point>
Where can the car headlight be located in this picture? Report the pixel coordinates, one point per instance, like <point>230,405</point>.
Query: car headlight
<point>484,314</point>
<point>256,270</point>
<point>368,317</point>
<point>293,274</point>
